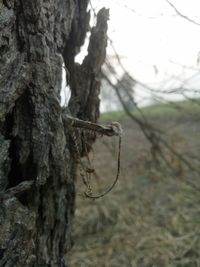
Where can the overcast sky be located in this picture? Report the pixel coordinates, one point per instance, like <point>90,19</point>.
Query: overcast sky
<point>153,41</point>
<point>151,36</point>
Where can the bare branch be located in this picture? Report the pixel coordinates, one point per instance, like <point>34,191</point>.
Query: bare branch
<point>182,15</point>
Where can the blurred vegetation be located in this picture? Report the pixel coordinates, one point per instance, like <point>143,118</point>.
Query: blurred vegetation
<point>174,109</point>
<point>152,217</point>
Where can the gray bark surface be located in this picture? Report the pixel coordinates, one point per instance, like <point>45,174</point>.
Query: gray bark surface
<point>37,167</point>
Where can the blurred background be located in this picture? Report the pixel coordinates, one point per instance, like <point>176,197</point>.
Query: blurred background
<point>151,85</point>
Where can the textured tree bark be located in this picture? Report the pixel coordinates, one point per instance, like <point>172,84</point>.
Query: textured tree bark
<point>37,169</point>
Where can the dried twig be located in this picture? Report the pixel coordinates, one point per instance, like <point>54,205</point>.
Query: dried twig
<point>116,178</point>
<point>182,15</point>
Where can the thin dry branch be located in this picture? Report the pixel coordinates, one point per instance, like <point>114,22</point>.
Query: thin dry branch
<point>153,135</point>
<point>182,15</point>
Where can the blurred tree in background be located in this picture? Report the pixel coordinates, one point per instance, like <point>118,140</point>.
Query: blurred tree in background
<point>151,218</point>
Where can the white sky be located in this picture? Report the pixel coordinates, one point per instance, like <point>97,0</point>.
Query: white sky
<point>153,41</point>
<point>151,34</point>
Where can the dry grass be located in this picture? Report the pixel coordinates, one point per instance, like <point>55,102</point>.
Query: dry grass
<point>151,218</point>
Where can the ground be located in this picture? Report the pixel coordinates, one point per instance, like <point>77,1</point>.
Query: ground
<point>151,218</point>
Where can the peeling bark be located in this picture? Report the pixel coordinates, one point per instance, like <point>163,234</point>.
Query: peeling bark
<point>37,170</point>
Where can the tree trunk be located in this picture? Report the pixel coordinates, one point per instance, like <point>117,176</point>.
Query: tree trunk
<point>37,164</point>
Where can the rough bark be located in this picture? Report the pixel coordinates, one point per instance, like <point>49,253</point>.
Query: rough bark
<point>85,78</point>
<point>37,170</point>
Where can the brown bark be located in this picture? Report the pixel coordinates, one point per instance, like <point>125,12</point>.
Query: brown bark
<point>37,170</point>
